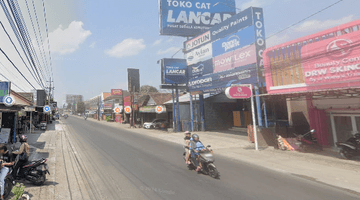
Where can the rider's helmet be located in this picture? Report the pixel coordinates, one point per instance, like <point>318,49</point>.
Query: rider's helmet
<point>357,135</point>
<point>187,132</point>
<point>23,138</point>
<point>194,136</point>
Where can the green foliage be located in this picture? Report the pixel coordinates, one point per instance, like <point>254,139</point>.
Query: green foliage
<point>107,118</point>
<point>18,191</point>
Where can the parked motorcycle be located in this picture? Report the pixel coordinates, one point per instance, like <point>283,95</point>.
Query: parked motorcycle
<point>207,161</point>
<point>350,148</point>
<point>33,171</point>
<point>307,142</point>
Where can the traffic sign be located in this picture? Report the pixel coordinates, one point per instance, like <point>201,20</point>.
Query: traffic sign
<point>9,100</point>
<point>117,110</point>
<point>47,109</point>
<point>127,109</point>
<point>159,109</point>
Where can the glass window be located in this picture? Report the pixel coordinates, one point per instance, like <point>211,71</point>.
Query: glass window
<point>357,121</point>
<point>343,127</point>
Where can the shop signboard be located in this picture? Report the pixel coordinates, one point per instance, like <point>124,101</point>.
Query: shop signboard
<point>200,54</point>
<point>4,90</point>
<point>238,92</point>
<point>127,109</point>
<point>190,18</point>
<point>200,68</point>
<point>339,61</point>
<point>108,105</point>
<point>326,60</point>
<point>234,41</point>
<point>118,92</point>
<point>127,101</point>
<point>174,71</point>
<point>234,59</point>
<point>219,81</point>
<point>148,109</point>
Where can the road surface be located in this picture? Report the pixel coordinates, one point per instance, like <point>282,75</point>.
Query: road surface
<point>125,165</point>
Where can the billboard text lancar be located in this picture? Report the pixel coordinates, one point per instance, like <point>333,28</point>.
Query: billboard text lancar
<point>190,18</point>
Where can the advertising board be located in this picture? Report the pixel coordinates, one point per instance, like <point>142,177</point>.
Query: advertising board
<point>233,59</point>
<point>190,18</point>
<point>200,68</point>
<point>234,41</point>
<point>174,71</point>
<point>237,45</point>
<point>4,90</point>
<point>133,80</point>
<point>200,54</point>
<point>219,81</point>
<point>116,92</point>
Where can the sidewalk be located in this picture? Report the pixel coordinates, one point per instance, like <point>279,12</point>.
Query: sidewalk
<point>64,181</point>
<point>316,167</point>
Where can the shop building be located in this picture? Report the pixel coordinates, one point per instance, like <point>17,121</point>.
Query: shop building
<point>149,103</point>
<point>319,76</point>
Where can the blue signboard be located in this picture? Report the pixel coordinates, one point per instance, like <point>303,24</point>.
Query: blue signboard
<point>174,71</point>
<point>218,81</point>
<point>4,90</point>
<point>235,41</point>
<point>190,18</point>
<point>260,40</point>
<point>201,68</point>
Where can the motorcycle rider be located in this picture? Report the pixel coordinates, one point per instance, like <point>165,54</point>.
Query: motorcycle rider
<point>187,139</point>
<point>24,154</point>
<point>7,160</point>
<point>196,147</point>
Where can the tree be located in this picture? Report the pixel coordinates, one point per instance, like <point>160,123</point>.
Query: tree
<point>145,89</point>
<point>68,107</point>
<point>80,108</point>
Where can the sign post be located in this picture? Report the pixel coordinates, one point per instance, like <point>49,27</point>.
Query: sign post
<point>244,91</point>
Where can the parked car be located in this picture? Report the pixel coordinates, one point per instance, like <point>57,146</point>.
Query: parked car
<point>156,123</point>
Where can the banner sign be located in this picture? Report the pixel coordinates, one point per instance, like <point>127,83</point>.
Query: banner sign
<point>235,41</point>
<point>4,90</point>
<point>238,92</point>
<point>211,82</point>
<point>260,40</point>
<point>198,41</point>
<point>237,58</point>
<point>200,68</point>
<point>116,92</point>
<point>174,71</point>
<point>232,25</point>
<point>200,54</point>
<point>190,18</point>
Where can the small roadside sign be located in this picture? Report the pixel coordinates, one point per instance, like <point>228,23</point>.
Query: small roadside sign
<point>127,109</point>
<point>47,109</point>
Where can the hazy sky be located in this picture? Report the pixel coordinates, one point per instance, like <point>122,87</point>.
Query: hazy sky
<point>93,42</point>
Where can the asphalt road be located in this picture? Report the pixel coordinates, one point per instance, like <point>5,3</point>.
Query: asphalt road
<point>126,165</point>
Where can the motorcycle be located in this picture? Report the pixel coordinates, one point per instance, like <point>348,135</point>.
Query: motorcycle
<point>33,171</point>
<point>307,142</point>
<point>207,161</point>
<point>85,117</point>
<point>350,148</point>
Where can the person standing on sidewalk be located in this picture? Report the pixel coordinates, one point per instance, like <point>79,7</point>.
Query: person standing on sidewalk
<point>23,154</point>
<point>7,160</point>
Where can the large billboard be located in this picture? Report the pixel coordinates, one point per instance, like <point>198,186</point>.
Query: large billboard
<point>321,61</point>
<point>229,53</point>
<point>4,90</point>
<point>40,98</point>
<point>133,80</point>
<point>174,71</point>
<point>191,18</point>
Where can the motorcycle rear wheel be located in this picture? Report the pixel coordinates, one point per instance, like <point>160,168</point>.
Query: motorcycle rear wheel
<point>213,172</point>
<point>7,187</point>
<point>345,154</point>
<point>40,180</point>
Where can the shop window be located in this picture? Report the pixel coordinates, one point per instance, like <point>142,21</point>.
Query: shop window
<point>357,121</point>
<point>343,127</point>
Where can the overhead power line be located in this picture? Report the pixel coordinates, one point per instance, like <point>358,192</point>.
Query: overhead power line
<point>16,68</point>
<point>305,18</point>
<point>47,35</point>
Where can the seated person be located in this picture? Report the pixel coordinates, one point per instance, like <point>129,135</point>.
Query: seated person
<point>196,147</point>
<point>7,161</point>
